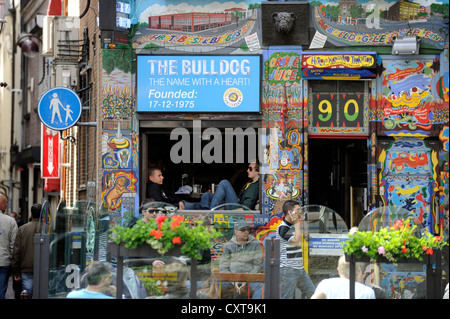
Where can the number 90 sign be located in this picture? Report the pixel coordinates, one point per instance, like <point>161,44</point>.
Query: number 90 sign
<point>337,110</point>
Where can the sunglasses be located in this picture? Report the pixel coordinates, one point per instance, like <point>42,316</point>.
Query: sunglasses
<point>250,168</point>
<point>245,229</point>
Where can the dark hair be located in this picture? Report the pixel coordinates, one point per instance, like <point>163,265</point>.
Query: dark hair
<point>145,204</point>
<point>36,211</point>
<point>96,271</point>
<point>153,169</point>
<point>289,205</point>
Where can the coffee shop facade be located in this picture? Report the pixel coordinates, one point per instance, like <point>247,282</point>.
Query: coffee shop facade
<point>343,113</point>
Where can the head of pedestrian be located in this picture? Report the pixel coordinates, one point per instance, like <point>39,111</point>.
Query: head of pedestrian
<point>98,274</point>
<point>292,211</point>
<point>3,202</point>
<point>36,211</point>
<point>242,231</point>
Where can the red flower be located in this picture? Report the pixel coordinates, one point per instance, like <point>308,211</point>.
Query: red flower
<point>424,248</point>
<point>157,233</point>
<point>438,238</point>
<point>178,218</point>
<point>429,251</point>
<point>160,219</point>
<point>176,240</point>
<point>404,250</point>
<point>175,224</point>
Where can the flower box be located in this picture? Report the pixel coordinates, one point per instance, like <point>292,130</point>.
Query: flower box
<point>145,250</point>
<point>433,270</point>
<point>400,243</point>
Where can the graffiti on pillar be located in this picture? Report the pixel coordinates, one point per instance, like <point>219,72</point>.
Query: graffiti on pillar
<point>118,91</point>
<point>284,117</point>
<point>119,147</point>
<point>408,177</point>
<point>119,189</point>
<point>444,172</point>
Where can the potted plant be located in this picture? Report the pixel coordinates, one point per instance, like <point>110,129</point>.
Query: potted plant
<point>163,234</point>
<point>393,244</point>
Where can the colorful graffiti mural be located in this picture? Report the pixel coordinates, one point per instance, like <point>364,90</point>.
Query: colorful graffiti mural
<point>408,178</point>
<point>374,26</point>
<point>119,161</point>
<point>409,106</point>
<point>178,25</point>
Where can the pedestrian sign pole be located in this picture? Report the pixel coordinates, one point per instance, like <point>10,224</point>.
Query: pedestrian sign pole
<point>59,108</point>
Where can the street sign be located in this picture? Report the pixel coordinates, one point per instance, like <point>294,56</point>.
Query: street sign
<point>59,108</point>
<point>50,154</point>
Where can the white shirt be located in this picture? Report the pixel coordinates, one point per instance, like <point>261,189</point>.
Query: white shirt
<point>339,288</point>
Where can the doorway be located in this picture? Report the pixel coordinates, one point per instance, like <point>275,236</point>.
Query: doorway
<point>338,176</point>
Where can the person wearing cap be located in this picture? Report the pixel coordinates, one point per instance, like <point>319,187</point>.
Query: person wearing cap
<point>242,254</point>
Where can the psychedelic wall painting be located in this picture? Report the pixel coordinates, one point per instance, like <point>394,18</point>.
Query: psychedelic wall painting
<point>120,140</point>
<point>402,284</point>
<point>414,103</point>
<point>118,91</point>
<point>409,104</point>
<point>408,177</point>
<point>120,187</point>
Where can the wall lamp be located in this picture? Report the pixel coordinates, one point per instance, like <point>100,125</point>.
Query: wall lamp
<point>406,45</point>
<point>30,47</point>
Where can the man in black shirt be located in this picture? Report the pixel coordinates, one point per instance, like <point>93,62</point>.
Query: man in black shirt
<point>156,191</point>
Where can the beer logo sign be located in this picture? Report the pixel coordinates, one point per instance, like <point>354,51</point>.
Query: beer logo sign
<point>233,97</point>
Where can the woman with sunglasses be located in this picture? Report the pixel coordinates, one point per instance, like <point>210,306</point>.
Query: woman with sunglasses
<point>225,193</point>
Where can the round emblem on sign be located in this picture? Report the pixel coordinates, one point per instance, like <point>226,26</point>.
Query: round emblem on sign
<point>233,97</point>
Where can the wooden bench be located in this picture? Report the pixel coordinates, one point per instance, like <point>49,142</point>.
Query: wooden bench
<point>241,277</point>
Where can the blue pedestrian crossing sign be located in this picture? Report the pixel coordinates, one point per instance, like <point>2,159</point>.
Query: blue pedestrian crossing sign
<point>59,108</point>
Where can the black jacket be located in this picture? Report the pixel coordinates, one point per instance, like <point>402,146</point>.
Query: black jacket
<point>159,194</point>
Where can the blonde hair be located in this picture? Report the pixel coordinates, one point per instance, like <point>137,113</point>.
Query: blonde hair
<point>344,267</point>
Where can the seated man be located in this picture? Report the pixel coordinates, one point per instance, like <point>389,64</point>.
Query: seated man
<point>156,191</point>
<point>242,254</point>
<point>339,288</point>
<point>225,193</point>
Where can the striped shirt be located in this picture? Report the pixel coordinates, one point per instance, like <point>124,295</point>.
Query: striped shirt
<point>290,255</point>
